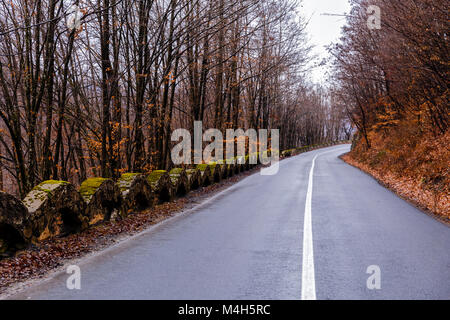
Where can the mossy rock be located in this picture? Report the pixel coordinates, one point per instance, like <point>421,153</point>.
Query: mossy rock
<point>136,193</point>
<point>239,159</point>
<point>125,181</point>
<point>13,222</point>
<point>155,176</point>
<point>236,168</point>
<point>3,248</point>
<point>231,170</point>
<point>205,172</point>
<point>302,150</point>
<point>177,171</point>
<point>240,163</point>
<point>233,165</point>
<point>55,209</point>
<point>103,199</point>
<point>161,184</point>
<point>252,160</point>
<point>225,169</point>
<point>180,181</point>
<point>195,179</point>
<point>216,171</point>
<point>287,153</point>
<point>245,165</point>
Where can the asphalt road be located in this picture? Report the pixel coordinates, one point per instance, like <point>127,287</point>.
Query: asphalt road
<point>261,239</point>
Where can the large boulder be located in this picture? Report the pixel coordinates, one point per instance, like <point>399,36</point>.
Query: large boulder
<point>255,159</point>
<point>180,181</point>
<point>103,199</point>
<point>243,163</point>
<point>231,170</point>
<point>287,153</point>
<point>250,161</point>
<point>205,172</point>
<point>234,166</point>
<point>240,164</point>
<point>301,150</point>
<point>161,185</point>
<point>13,219</point>
<point>136,192</point>
<point>225,169</point>
<point>216,172</point>
<point>195,178</point>
<point>55,209</point>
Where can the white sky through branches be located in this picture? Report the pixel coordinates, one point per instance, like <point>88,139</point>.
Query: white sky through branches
<point>323,29</point>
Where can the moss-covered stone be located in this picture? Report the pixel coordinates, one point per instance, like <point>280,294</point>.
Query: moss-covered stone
<point>41,192</point>
<point>202,167</point>
<point>233,165</point>
<point>125,181</point>
<point>180,181</point>
<point>195,178</point>
<point>3,247</point>
<point>13,223</point>
<point>89,187</point>
<point>137,194</point>
<point>205,172</point>
<point>287,153</point>
<point>225,169</point>
<point>55,208</point>
<point>177,171</point>
<point>229,169</point>
<point>245,165</point>
<point>103,199</point>
<point>161,184</point>
<point>240,160</point>
<point>154,177</point>
<point>216,172</point>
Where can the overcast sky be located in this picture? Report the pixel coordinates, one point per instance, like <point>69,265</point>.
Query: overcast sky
<point>323,29</point>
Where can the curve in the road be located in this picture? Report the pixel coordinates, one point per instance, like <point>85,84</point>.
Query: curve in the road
<point>250,242</point>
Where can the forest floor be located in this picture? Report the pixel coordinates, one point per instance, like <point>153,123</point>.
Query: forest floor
<point>35,262</point>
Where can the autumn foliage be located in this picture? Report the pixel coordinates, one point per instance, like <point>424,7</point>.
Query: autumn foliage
<point>394,84</point>
<point>104,98</point>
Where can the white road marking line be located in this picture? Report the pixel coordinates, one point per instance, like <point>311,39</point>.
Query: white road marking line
<point>308,277</point>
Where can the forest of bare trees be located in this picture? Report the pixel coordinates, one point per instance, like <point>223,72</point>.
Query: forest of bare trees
<point>393,82</point>
<point>399,72</point>
<point>102,97</point>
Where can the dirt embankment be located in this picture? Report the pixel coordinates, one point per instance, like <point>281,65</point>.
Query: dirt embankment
<point>417,169</point>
